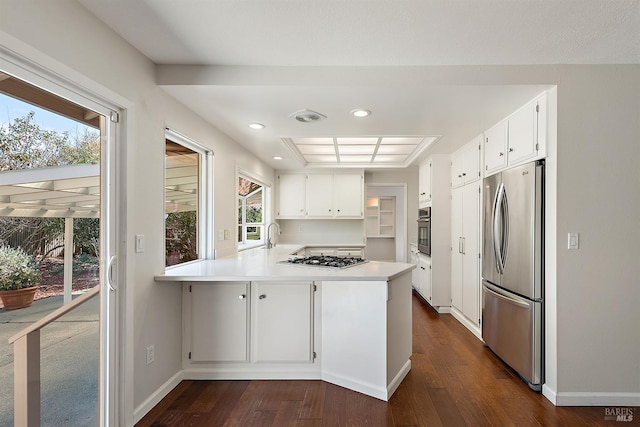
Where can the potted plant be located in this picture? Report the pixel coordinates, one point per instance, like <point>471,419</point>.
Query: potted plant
<point>19,277</point>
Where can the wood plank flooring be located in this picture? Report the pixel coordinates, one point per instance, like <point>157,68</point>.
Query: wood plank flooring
<point>454,381</point>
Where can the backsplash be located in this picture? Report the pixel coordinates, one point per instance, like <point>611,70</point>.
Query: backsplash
<point>321,231</point>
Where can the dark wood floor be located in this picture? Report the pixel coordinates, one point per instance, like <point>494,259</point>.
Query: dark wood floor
<point>454,381</point>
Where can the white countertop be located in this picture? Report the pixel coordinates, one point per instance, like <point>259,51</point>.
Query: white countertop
<point>261,264</point>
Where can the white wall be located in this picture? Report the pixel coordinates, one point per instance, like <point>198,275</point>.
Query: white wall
<point>598,195</point>
<point>597,288</point>
<point>63,37</point>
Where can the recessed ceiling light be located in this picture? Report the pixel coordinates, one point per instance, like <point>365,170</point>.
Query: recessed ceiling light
<point>277,157</point>
<point>361,113</point>
<point>256,126</point>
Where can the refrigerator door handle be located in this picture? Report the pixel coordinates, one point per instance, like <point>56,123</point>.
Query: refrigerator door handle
<point>498,228</point>
<point>499,294</point>
<point>504,246</point>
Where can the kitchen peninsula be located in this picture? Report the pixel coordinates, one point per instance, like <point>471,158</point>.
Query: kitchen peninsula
<point>251,316</point>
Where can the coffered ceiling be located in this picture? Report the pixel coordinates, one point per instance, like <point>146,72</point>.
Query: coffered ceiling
<point>259,61</point>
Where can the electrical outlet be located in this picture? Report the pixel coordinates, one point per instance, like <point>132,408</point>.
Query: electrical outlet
<point>151,354</point>
<point>221,234</point>
<point>227,234</point>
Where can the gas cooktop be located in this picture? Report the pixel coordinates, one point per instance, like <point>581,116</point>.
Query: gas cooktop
<point>330,261</point>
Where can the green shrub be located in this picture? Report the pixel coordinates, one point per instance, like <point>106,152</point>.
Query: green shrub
<point>17,269</point>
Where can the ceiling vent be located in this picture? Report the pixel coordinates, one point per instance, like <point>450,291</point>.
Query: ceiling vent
<point>308,116</point>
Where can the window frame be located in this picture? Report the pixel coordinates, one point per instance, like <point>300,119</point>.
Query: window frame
<point>204,217</point>
<point>266,211</point>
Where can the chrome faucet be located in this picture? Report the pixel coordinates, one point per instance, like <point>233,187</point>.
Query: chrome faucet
<point>269,244</point>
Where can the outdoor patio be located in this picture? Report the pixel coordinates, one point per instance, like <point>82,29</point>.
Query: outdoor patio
<point>69,362</point>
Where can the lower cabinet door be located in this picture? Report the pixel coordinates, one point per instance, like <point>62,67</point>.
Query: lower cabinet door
<point>282,323</point>
<point>219,321</point>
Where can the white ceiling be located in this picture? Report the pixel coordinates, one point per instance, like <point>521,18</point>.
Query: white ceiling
<point>237,62</point>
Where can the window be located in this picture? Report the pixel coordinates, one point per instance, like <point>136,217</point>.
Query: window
<point>187,210</point>
<point>251,203</point>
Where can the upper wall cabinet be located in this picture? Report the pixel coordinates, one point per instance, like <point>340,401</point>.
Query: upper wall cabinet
<point>424,182</point>
<point>519,138</point>
<point>320,196</point>
<point>465,163</point>
<point>348,195</point>
<point>291,195</point>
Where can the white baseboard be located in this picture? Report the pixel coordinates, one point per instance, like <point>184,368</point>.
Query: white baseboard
<point>246,373</point>
<point>156,397</point>
<point>597,399</point>
<point>590,398</point>
<point>395,382</point>
<point>466,322</point>
<point>551,395</point>
<point>367,388</point>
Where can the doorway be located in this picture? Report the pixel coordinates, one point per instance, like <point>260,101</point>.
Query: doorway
<point>386,222</point>
<point>59,174</point>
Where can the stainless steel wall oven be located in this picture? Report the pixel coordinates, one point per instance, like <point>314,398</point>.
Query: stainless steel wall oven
<point>424,230</point>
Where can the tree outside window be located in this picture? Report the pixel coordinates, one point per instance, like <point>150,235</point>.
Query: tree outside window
<point>182,184</point>
<point>250,213</point>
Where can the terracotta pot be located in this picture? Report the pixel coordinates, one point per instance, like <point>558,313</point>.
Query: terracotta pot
<point>18,298</point>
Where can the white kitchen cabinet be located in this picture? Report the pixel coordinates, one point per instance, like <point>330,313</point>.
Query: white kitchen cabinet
<point>518,139</point>
<point>348,195</point>
<point>465,163</point>
<point>218,321</point>
<point>465,252</point>
<point>527,131</point>
<point>424,182</point>
<point>224,327</point>
<point>424,287</point>
<point>350,252</point>
<point>495,147</point>
<point>320,195</point>
<point>282,322</point>
<point>291,196</point>
<point>413,252</point>
<point>319,199</point>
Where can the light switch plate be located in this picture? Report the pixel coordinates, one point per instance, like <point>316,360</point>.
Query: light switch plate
<point>139,243</point>
<point>573,241</point>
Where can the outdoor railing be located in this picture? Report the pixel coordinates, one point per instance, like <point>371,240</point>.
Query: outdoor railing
<point>26,354</point>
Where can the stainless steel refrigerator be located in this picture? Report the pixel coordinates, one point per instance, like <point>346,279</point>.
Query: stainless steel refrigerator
<point>513,269</point>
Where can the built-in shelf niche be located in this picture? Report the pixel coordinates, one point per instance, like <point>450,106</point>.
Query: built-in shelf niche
<point>381,217</point>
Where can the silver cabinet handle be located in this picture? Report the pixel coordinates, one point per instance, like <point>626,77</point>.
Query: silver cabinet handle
<point>263,296</point>
<point>243,296</point>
